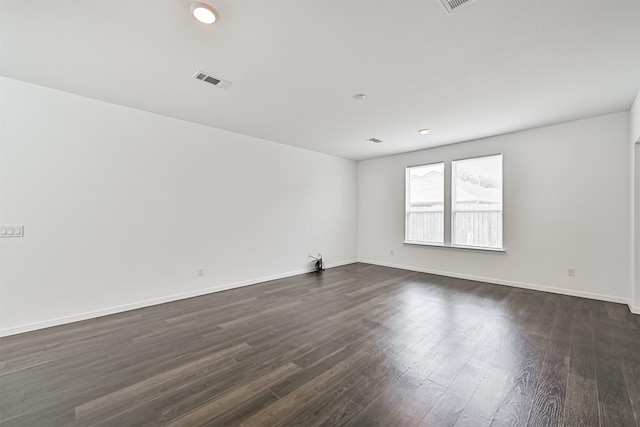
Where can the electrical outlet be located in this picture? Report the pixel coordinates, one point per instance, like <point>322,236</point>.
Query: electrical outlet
<point>571,272</point>
<point>12,231</point>
<point>200,271</point>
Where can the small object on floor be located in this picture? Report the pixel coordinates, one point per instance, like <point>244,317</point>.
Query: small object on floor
<point>319,263</point>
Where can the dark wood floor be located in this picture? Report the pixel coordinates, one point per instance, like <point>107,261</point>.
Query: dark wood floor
<point>358,345</point>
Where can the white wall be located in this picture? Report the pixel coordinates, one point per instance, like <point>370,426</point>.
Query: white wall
<point>634,132</point>
<point>121,206</point>
<point>567,204</point>
<point>635,119</point>
<point>636,284</point>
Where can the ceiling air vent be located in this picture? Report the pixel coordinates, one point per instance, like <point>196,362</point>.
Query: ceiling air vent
<point>217,82</point>
<point>451,5</point>
<point>376,140</point>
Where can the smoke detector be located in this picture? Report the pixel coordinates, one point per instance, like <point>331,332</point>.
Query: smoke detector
<point>216,81</point>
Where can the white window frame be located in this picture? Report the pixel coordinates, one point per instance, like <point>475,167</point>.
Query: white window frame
<point>449,215</point>
<point>408,207</point>
<point>453,203</point>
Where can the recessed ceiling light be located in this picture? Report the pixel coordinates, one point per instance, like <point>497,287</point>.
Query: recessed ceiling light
<point>359,96</point>
<point>423,131</point>
<point>204,13</point>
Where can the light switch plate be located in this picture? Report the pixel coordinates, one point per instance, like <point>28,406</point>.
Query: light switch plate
<point>11,230</point>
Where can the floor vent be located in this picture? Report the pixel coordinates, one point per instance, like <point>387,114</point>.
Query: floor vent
<point>217,82</point>
<point>451,5</point>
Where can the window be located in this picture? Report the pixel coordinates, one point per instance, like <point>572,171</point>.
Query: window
<point>468,217</point>
<point>425,204</point>
<point>476,202</point>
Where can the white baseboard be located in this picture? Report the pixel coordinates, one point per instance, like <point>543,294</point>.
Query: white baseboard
<point>634,310</point>
<point>155,301</point>
<point>522,285</point>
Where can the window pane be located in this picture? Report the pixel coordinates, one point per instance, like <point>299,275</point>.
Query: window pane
<point>477,202</point>
<point>425,203</point>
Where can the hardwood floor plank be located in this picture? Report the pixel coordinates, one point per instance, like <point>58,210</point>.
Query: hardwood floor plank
<point>209,411</point>
<point>516,406</point>
<point>391,396</point>
<point>549,398</point>
<point>581,405</point>
<point>160,381</point>
<point>455,398</point>
<point>284,408</point>
<point>328,404</point>
<point>218,383</point>
<point>358,345</point>
<point>613,398</point>
<point>339,414</point>
<point>482,406</point>
<point>631,373</point>
<point>246,409</point>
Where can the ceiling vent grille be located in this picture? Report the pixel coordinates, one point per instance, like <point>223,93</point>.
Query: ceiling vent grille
<point>451,5</point>
<point>217,82</point>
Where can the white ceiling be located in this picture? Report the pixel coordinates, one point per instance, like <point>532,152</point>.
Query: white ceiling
<point>489,68</point>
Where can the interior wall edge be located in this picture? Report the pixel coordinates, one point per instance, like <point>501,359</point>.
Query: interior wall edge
<point>156,301</point>
<point>521,285</point>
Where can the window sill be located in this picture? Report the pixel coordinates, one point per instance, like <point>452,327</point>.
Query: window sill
<point>456,247</point>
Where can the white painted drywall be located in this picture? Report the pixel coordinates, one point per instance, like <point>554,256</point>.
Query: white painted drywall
<point>636,290</point>
<point>634,113</point>
<point>566,204</point>
<point>121,206</point>
<point>634,133</point>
